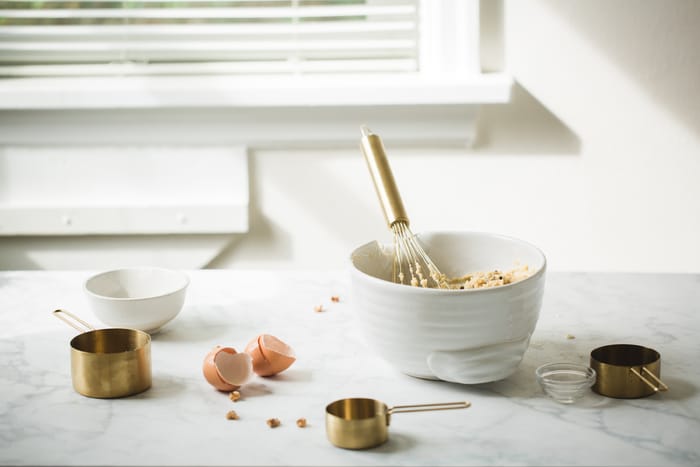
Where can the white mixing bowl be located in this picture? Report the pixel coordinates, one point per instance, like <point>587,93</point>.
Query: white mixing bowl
<point>464,336</point>
<point>139,298</point>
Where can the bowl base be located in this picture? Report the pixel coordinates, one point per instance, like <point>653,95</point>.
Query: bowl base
<point>426,377</point>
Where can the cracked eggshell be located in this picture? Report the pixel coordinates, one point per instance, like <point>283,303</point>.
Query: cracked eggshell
<point>270,355</point>
<point>226,369</point>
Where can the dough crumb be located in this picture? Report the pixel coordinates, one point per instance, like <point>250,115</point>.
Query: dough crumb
<point>273,422</point>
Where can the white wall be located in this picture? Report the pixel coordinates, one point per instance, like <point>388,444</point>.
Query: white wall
<point>596,159</point>
<point>625,78</point>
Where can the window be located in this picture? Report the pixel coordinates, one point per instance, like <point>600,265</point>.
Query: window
<point>204,53</point>
<point>156,37</point>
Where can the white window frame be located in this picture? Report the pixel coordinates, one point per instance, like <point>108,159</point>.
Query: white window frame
<point>450,77</point>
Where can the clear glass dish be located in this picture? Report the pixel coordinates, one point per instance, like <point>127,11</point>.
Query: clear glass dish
<point>565,382</point>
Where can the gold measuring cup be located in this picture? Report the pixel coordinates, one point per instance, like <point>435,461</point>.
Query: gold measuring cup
<point>363,423</point>
<point>627,371</point>
<point>108,363</point>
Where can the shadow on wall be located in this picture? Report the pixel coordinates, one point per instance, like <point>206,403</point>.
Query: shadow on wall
<point>491,27</point>
<point>523,126</point>
<point>108,252</point>
<point>264,242</point>
<point>657,43</point>
<point>14,255</point>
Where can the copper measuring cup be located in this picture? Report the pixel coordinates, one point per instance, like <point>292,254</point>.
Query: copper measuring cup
<point>627,371</point>
<point>363,423</point>
<point>108,363</point>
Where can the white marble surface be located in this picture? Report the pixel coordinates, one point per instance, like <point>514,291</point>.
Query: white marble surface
<point>181,419</point>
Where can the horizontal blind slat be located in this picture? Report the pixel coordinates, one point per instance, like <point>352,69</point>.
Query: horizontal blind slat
<point>214,13</point>
<point>214,45</point>
<point>213,68</point>
<point>381,27</point>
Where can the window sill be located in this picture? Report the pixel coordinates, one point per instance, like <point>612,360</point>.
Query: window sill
<point>270,113</point>
<point>250,92</point>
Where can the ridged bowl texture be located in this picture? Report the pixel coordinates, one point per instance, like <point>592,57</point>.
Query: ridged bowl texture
<point>464,336</point>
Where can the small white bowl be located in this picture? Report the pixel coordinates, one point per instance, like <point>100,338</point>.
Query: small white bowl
<point>565,382</point>
<point>138,298</point>
<point>463,336</point>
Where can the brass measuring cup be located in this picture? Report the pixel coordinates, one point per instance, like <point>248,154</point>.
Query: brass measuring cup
<point>359,423</point>
<point>627,371</point>
<point>108,363</point>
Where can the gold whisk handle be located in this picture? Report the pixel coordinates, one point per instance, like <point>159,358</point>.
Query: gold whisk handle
<point>383,178</point>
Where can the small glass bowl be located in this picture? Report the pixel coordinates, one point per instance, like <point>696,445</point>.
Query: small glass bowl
<point>565,382</point>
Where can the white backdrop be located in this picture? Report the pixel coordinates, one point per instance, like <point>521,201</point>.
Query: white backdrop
<point>596,159</point>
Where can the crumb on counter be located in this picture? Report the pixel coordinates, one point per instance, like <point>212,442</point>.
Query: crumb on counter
<point>319,308</point>
<point>570,336</point>
<point>234,396</point>
<point>301,423</point>
<point>231,415</point>
<point>335,299</point>
<point>273,422</point>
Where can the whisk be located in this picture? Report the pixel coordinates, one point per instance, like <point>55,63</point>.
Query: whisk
<point>412,265</point>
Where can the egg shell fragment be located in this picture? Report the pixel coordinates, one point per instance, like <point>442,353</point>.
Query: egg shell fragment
<point>270,355</point>
<point>226,369</point>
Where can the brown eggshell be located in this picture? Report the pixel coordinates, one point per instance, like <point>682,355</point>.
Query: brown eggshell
<point>235,369</point>
<point>256,355</point>
<point>226,369</point>
<point>270,355</point>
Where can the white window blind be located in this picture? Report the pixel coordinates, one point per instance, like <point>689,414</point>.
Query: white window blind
<point>199,37</point>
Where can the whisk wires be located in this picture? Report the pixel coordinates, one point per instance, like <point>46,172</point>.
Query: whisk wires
<point>410,257</point>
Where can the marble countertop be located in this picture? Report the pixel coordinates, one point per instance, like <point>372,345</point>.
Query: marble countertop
<point>181,419</point>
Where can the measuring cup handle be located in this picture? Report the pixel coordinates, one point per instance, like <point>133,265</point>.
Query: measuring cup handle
<point>660,385</point>
<point>73,322</point>
<point>429,407</point>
